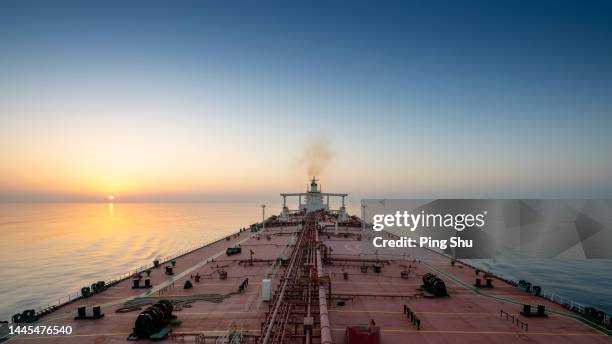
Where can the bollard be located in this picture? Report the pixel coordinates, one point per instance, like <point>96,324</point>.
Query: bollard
<point>97,312</point>
<point>81,312</point>
<point>526,310</point>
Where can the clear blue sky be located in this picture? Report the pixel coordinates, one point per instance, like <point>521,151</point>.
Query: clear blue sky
<point>416,98</point>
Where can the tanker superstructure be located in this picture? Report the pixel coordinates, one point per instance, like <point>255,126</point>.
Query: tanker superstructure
<point>314,198</point>
<point>311,275</point>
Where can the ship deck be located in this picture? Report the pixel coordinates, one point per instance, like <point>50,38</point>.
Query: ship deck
<point>467,315</point>
<point>243,311</point>
<point>214,306</point>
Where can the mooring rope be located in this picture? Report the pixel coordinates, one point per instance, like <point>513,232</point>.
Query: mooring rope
<point>178,302</point>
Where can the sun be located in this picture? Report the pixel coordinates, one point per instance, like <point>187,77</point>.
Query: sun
<point>111,197</point>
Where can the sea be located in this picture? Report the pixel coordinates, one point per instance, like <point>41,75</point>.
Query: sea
<point>48,251</point>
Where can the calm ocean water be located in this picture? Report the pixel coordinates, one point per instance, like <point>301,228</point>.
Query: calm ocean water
<point>50,250</point>
<point>586,281</point>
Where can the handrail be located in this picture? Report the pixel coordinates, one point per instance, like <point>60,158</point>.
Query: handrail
<point>573,305</point>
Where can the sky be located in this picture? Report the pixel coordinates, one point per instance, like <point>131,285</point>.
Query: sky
<point>225,100</point>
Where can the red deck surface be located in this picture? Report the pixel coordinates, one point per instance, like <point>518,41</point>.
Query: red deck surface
<point>244,310</point>
<point>464,317</point>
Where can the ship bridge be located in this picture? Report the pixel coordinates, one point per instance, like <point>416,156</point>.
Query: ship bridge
<point>314,199</point>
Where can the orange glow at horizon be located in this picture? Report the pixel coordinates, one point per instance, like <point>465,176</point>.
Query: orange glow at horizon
<point>140,161</point>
